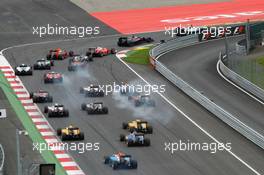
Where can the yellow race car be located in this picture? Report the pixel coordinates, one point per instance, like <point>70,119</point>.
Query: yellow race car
<point>138,126</point>
<point>70,133</point>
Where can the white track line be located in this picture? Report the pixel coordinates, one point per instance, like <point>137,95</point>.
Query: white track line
<point>192,121</point>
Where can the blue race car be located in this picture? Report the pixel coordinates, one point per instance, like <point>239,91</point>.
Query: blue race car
<point>120,161</point>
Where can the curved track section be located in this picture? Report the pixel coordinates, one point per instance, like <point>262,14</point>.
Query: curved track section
<point>198,68</point>
<point>169,124</point>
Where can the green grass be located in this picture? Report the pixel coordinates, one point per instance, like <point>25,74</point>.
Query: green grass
<point>260,60</point>
<point>28,124</point>
<point>139,55</point>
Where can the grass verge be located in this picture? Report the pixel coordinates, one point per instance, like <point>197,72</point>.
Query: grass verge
<point>139,55</point>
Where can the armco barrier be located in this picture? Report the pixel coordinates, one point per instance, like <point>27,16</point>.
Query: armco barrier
<point>226,117</point>
<point>2,160</point>
<point>239,80</point>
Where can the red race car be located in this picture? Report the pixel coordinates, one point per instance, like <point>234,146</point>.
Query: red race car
<point>99,51</point>
<point>59,54</point>
<point>53,77</point>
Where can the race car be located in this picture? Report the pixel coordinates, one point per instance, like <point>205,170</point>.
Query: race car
<point>138,126</point>
<point>135,139</point>
<point>78,61</point>
<point>41,96</point>
<point>53,77</point>
<point>125,89</point>
<point>142,100</point>
<point>57,110</point>
<point>23,69</point>
<point>99,51</point>
<point>95,108</point>
<point>70,133</point>
<point>120,161</point>
<point>43,64</point>
<point>92,91</point>
<point>133,41</point>
<point>59,54</point>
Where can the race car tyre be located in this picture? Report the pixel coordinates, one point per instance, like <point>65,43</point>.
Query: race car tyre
<point>35,99</point>
<point>46,81</point>
<point>101,54</point>
<point>70,68</point>
<point>66,113</point>
<point>30,72</point>
<point>52,63</point>
<point>60,57</point>
<point>81,136</point>
<point>122,137</point>
<point>106,160</point>
<point>147,142</point>
<point>64,137</point>
<point>105,110</point>
<point>114,165</point>
<point>124,125</point>
<point>59,131</point>
<point>101,94</point>
<point>71,53</point>
<point>48,57</point>
<point>130,143</point>
<point>150,129</point>
<point>81,90</point>
<point>46,109</point>
<point>30,94</point>
<point>134,164</point>
<point>35,66</point>
<point>50,114</point>
<point>90,111</point>
<point>83,107</point>
<point>113,51</point>
<point>54,57</point>
<point>137,103</point>
<point>90,58</point>
<point>89,54</point>
<point>17,73</point>
<point>50,99</point>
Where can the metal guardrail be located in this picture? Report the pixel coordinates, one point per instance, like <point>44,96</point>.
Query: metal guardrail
<point>241,47</point>
<point>226,117</point>
<point>2,160</point>
<point>241,81</point>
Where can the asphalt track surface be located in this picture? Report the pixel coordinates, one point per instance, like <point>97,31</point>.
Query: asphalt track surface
<point>199,69</point>
<point>169,125</point>
<point>106,129</point>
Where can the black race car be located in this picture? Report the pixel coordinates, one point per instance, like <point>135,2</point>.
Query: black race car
<point>43,64</point>
<point>133,41</point>
<point>95,108</point>
<point>92,91</point>
<point>41,96</point>
<point>142,100</point>
<point>57,110</point>
<point>23,69</point>
<point>78,61</point>
<point>135,139</point>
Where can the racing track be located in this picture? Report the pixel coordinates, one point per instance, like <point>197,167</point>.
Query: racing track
<point>198,67</point>
<point>105,129</point>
